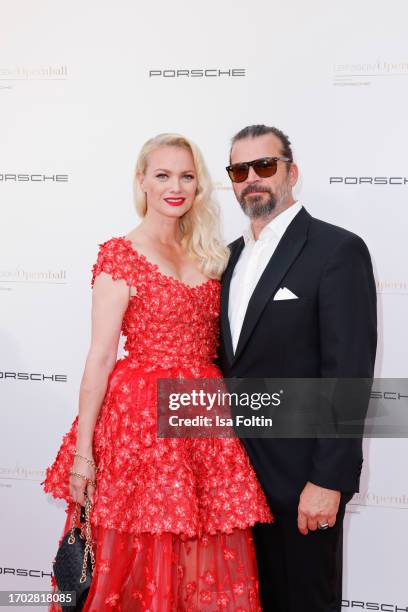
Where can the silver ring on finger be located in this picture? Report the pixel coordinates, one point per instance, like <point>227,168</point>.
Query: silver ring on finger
<point>323,526</point>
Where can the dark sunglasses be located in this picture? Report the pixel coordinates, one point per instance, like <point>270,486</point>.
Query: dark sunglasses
<point>264,167</point>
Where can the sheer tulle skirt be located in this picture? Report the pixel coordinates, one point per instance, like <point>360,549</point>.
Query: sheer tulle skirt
<point>171,573</point>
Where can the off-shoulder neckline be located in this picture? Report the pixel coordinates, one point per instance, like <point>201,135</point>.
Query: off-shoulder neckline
<point>168,277</point>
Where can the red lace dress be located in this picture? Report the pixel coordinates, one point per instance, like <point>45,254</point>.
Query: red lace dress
<point>171,517</point>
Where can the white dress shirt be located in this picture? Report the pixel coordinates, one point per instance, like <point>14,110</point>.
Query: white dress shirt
<point>251,264</point>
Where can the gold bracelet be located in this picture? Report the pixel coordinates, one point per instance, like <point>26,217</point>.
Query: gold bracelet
<point>89,461</point>
<point>92,482</point>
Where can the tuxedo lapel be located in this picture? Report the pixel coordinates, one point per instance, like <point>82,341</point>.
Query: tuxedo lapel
<point>285,254</point>
<point>236,249</point>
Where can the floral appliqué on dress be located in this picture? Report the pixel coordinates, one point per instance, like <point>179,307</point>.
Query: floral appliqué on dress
<point>171,517</point>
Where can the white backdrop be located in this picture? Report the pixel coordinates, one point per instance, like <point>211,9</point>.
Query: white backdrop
<point>82,86</point>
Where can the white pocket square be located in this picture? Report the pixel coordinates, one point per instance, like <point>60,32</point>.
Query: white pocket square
<point>285,294</point>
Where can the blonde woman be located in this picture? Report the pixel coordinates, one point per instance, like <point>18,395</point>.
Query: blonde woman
<point>171,517</point>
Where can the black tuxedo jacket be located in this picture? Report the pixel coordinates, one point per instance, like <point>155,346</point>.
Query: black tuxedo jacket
<point>330,332</point>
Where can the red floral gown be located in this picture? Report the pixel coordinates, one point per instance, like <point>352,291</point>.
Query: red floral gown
<point>171,517</point>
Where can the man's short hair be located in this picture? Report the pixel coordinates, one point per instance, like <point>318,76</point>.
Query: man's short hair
<point>253,131</point>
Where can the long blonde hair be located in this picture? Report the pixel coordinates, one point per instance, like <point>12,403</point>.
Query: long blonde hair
<point>199,226</point>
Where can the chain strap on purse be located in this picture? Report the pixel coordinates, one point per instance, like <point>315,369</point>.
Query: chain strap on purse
<point>86,534</point>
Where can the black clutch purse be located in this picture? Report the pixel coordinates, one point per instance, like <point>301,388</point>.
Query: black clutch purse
<point>75,559</point>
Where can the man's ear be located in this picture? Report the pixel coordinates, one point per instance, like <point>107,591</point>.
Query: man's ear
<point>293,174</point>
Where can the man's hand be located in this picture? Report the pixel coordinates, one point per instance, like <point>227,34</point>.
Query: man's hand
<point>317,506</point>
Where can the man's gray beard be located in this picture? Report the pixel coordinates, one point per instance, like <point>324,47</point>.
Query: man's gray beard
<point>258,207</point>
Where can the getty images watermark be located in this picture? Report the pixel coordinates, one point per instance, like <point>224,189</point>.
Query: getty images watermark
<point>282,408</point>
<point>220,403</point>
